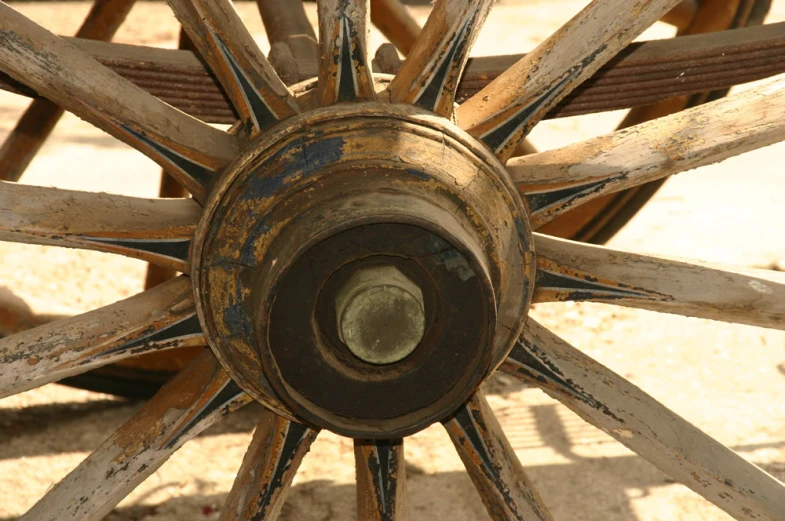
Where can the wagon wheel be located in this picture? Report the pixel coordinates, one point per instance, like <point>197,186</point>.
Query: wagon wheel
<point>293,39</point>
<point>359,258</point>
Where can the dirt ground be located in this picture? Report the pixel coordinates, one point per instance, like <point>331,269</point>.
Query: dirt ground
<point>726,379</point>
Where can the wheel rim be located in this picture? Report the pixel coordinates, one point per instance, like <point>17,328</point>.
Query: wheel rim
<point>234,175</point>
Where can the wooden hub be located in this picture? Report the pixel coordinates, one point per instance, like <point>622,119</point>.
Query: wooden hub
<point>353,219</point>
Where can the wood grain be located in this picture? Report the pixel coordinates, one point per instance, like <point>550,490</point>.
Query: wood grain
<point>40,118</point>
<point>155,230</point>
<point>188,148</point>
<point>262,483</point>
<point>643,425</point>
<point>504,112</point>
<point>570,270</point>
<point>498,476</point>
<point>256,92</point>
<point>287,23</point>
<point>556,181</point>
<point>430,75</point>
<point>197,397</point>
<point>345,65</point>
<point>155,320</point>
<point>381,480</point>
<point>396,23</point>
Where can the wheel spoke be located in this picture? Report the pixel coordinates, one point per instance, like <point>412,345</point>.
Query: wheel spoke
<point>553,182</point>
<point>345,67</point>
<point>287,23</point>
<point>504,112</point>
<point>635,419</point>
<point>682,15</point>
<point>568,270</point>
<point>277,449</point>
<point>497,474</point>
<point>395,22</point>
<point>197,397</point>
<point>154,230</point>
<point>40,118</point>
<point>429,77</point>
<point>188,148</point>
<point>158,319</point>
<point>294,49</point>
<point>256,92</point>
<point>381,480</point>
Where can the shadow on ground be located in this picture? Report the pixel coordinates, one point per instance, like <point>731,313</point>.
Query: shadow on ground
<point>611,482</point>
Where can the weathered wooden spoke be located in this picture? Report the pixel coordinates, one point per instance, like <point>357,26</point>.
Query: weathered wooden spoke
<point>257,93</point>
<point>40,118</point>
<point>395,22</point>
<point>638,421</point>
<point>169,188</point>
<point>497,474</point>
<point>556,181</point>
<point>196,398</point>
<point>570,270</point>
<point>503,113</point>
<point>294,48</point>
<point>155,230</point>
<point>429,77</point>
<point>381,480</point>
<point>272,460</point>
<point>345,65</point>
<point>188,148</point>
<point>158,319</point>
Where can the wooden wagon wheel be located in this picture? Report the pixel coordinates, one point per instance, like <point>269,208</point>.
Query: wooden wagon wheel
<point>347,205</point>
<point>293,40</point>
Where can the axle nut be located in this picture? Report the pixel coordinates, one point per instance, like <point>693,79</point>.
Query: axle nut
<point>380,314</point>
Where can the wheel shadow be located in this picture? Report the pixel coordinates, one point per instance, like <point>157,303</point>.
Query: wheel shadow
<point>579,486</point>
<point>589,490</point>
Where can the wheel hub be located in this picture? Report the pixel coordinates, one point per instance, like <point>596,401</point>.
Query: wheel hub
<point>367,265</point>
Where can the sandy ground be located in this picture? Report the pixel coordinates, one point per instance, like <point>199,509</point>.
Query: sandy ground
<point>726,379</point>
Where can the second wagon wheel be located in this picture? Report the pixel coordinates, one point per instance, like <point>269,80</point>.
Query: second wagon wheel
<point>294,56</point>
<point>359,258</point>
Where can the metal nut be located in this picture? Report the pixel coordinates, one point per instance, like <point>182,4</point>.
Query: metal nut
<point>380,314</point>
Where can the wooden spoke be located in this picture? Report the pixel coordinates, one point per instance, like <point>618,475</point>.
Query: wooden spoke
<point>504,112</point>
<point>381,480</point>
<point>169,188</point>
<point>395,22</point>
<point>429,77</point>
<point>569,270</point>
<point>345,66</point>
<point>682,15</point>
<point>491,462</point>
<point>40,118</point>
<point>555,181</point>
<point>272,460</point>
<point>287,23</point>
<point>638,421</point>
<point>158,319</point>
<point>257,93</point>
<point>184,146</point>
<point>197,397</point>
<point>154,230</point>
